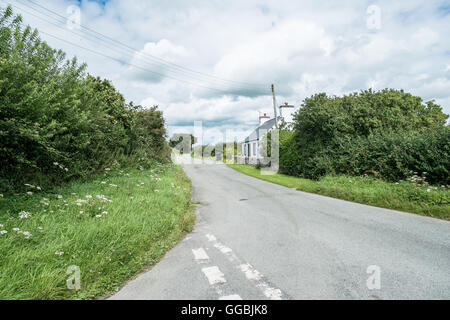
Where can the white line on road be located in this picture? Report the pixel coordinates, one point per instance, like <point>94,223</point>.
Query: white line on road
<point>200,254</point>
<point>214,275</point>
<point>233,297</point>
<point>222,248</point>
<point>253,275</point>
<point>249,271</point>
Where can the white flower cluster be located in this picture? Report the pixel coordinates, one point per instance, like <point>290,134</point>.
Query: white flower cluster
<point>24,215</point>
<point>56,164</point>
<point>26,234</point>
<point>103,198</point>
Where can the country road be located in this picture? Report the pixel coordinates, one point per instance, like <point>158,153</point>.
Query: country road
<point>256,240</point>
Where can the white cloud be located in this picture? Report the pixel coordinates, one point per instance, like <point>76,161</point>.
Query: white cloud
<point>303,47</point>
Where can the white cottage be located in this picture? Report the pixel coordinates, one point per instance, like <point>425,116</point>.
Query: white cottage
<point>251,147</point>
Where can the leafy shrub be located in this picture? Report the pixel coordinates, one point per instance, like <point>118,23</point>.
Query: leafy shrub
<point>289,156</point>
<point>387,134</point>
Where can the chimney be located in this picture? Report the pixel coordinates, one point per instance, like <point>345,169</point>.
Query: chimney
<point>287,112</point>
<point>263,119</point>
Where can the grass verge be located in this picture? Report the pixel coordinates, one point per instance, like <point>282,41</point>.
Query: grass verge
<point>111,228</point>
<point>404,196</point>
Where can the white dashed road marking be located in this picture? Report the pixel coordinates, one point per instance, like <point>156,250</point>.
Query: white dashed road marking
<point>233,297</point>
<point>222,248</point>
<point>253,275</point>
<point>211,238</point>
<point>214,275</point>
<point>249,271</point>
<point>200,254</point>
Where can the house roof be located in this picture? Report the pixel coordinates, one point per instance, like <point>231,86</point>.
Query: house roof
<point>264,128</point>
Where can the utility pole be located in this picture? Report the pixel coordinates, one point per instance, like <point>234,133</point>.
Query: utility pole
<point>275,106</point>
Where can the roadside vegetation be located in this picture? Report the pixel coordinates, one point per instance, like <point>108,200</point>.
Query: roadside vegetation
<point>111,227</point>
<point>387,148</point>
<point>410,196</point>
<point>85,177</point>
<point>57,123</point>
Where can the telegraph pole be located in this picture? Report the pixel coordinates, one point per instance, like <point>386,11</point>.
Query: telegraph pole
<point>275,106</point>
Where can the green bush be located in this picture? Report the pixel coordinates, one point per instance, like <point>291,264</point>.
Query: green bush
<point>388,134</point>
<point>289,156</point>
<point>57,122</point>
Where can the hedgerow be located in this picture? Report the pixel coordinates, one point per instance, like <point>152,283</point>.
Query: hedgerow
<point>389,134</point>
<point>57,122</point>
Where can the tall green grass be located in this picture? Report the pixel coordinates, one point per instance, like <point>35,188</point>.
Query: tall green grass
<point>112,227</point>
<point>433,201</point>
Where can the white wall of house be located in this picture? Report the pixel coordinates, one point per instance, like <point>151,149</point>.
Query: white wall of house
<point>251,149</point>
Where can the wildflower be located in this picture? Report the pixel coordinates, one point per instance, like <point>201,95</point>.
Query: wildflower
<point>40,228</point>
<point>24,215</point>
<point>103,182</point>
<point>107,169</point>
<point>157,191</point>
<point>65,169</point>
<point>81,212</point>
<point>16,229</point>
<point>105,212</point>
<point>29,193</point>
<point>98,216</point>
<point>3,232</point>
<point>1,195</point>
<point>60,196</point>
<point>113,185</point>
<point>80,201</point>
<point>103,198</point>
<point>1,226</point>
<point>428,190</point>
<point>38,188</point>
<point>59,253</point>
<point>55,164</point>
<point>88,197</point>
<point>27,235</point>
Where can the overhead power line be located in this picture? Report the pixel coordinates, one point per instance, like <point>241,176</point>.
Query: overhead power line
<point>125,62</point>
<point>154,59</point>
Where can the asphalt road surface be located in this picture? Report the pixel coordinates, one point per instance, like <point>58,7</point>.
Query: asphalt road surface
<point>257,240</point>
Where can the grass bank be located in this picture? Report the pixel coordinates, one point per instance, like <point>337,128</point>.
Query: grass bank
<point>111,228</point>
<point>404,196</point>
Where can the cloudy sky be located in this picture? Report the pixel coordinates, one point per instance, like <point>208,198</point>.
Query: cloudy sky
<point>214,61</point>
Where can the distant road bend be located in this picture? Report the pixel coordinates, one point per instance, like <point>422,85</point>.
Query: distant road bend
<point>257,240</point>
